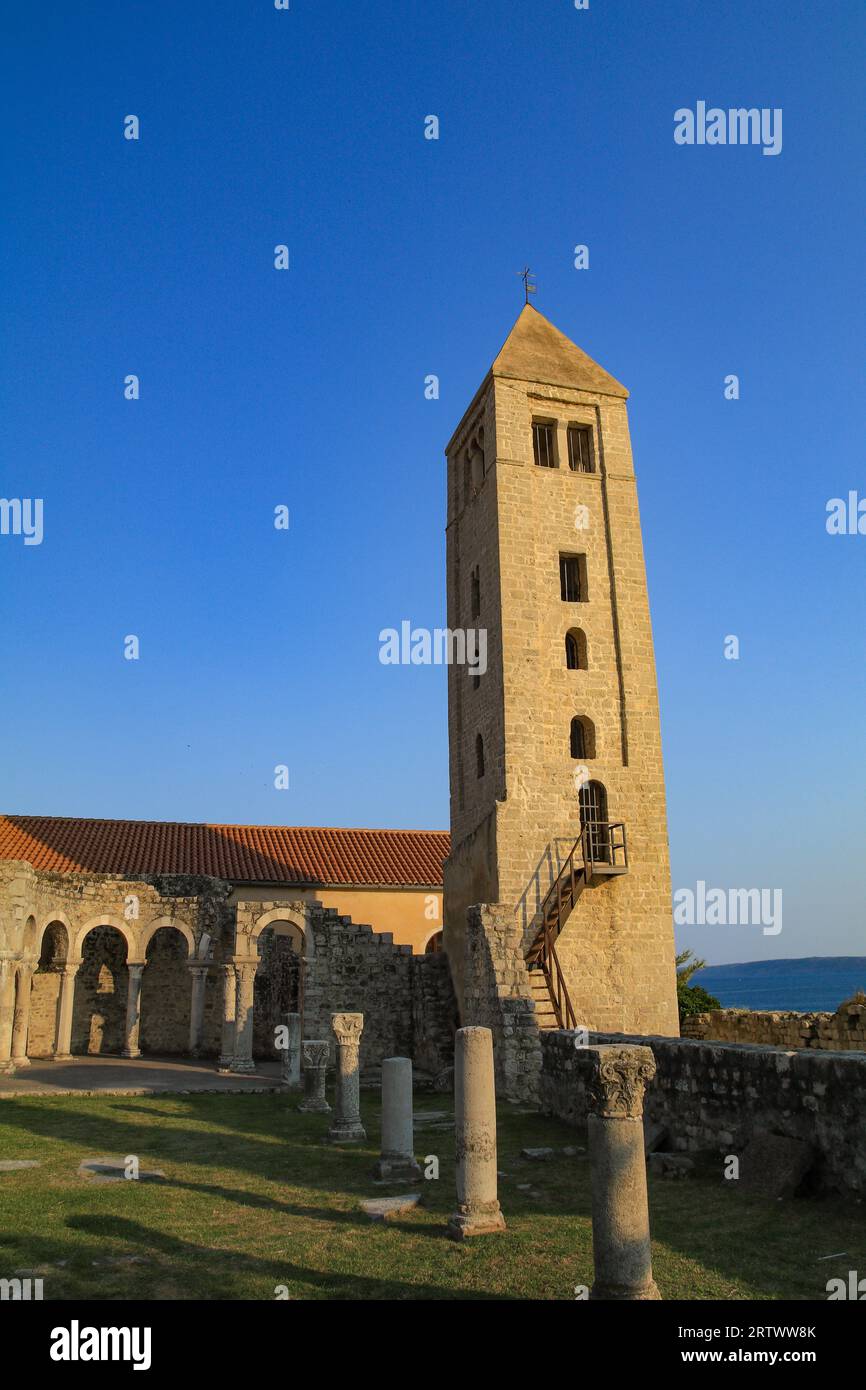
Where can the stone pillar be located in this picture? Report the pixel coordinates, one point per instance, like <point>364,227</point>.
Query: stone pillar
<point>21,1017</point>
<point>346,1127</point>
<point>133,1008</point>
<point>315,1054</point>
<point>7,1010</point>
<point>63,1042</point>
<point>291,1053</point>
<point>616,1077</point>
<point>196,1010</point>
<point>245,991</point>
<point>478,1210</point>
<point>227,1041</point>
<point>397,1162</point>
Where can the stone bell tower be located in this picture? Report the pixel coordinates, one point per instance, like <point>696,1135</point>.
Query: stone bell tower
<point>559,737</point>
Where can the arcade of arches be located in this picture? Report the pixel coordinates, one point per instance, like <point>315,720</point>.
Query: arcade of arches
<point>94,964</point>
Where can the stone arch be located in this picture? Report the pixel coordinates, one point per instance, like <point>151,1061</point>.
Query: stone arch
<point>103,948</point>
<point>146,934</point>
<point>165,1001</point>
<point>54,941</point>
<point>106,919</point>
<point>280,941</point>
<point>295,917</point>
<point>53,919</point>
<point>30,940</point>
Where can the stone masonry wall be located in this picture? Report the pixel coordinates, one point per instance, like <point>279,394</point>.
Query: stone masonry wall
<point>715,1096</point>
<point>434,1013</point>
<point>842,1031</point>
<point>617,949</point>
<point>497,995</point>
<point>351,967</point>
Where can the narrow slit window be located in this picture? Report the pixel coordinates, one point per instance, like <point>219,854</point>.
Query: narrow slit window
<point>479,756</point>
<point>578,739</point>
<point>575,650</point>
<point>572,578</point>
<point>475,591</point>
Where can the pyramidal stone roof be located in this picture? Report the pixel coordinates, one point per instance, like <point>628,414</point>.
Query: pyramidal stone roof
<point>302,856</point>
<point>536,351</point>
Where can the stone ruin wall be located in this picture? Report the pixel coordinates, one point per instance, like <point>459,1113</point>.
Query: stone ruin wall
<point>407,1000</point>
<point>715,1096</point>
<point>497,995</point>
<point>842,1031</point>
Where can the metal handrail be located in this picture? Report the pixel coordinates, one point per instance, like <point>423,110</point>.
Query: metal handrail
<point>556,889</point>
<point>610,837</point>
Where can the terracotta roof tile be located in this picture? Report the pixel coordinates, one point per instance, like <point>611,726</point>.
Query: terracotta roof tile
<point>302,856</point>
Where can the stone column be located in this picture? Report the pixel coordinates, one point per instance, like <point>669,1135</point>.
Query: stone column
<point>63,1042</point>
<point>227,1041</point>
<point>397,1162</point>
<point>196,1010</point>
<point>315,1054</point>
<point>245,991</point>
<point>346,1127</point>
<point>616,1077</point>
<point>7,1010</point>
<point>478,1212</point>
<point>133,1008</point>
<point>291,1053</point>
<point>21,1017</point>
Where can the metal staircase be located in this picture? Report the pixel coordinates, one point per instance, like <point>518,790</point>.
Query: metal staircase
<point>599,850</point>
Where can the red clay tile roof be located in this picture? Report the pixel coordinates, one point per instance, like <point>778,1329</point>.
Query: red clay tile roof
<point>304,856</point>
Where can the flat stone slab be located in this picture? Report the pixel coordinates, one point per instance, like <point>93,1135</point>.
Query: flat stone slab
<point>773,1166</point>
<point>389,1208</point>
<point>670,1165</point>
<point>114,1170</point>
<point>12,1165</point>
<point>538,1155</point>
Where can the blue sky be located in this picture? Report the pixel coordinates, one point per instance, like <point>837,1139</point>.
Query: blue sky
<point>306,388</point>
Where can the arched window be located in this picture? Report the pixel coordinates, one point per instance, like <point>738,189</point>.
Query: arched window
<point>434,945</point>
<point>582,737</point>
<point>593,820</point>
<point>479,756</point>
<point>575,650</point>
<point>578,739</point>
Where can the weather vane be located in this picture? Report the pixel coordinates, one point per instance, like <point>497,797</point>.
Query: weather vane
<point>527,277</point>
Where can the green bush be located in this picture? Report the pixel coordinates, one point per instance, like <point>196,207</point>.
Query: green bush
<point>692,999</point>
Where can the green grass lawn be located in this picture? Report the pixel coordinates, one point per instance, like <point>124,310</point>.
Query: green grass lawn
<point>254,1197</point>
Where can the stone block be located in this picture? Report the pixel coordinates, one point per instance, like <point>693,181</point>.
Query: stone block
<point>774,1166</point>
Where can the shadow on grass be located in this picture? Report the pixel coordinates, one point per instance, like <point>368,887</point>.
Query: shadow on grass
<point>213,1273</point>
<point>700,1226</point>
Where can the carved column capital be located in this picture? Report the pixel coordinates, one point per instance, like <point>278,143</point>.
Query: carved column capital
<point>347,1028</point>
<point>315,1054</point>
<point>616,1079</point>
